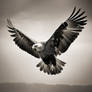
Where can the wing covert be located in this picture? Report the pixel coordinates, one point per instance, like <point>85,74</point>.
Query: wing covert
<point>68,31</point>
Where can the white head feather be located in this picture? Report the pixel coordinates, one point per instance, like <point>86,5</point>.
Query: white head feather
<point>38,46</point>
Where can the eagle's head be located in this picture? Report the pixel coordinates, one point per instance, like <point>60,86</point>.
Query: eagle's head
<point>37,47</point>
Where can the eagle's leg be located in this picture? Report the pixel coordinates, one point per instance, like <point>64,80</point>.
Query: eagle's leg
<point>50,59</point>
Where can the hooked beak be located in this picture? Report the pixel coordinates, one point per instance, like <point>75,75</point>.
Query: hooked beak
<point>34,48</point>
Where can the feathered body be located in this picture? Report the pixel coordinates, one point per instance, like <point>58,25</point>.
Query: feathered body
<point>58,43</point>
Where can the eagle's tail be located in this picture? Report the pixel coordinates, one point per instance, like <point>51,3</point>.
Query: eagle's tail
<point>50,68</point>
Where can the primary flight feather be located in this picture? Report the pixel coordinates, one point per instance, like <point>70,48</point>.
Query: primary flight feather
<point>58,43</point>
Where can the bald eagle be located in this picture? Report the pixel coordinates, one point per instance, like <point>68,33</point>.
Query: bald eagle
<point>58,43</point>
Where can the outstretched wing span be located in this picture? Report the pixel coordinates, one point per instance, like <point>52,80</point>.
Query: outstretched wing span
<point>21,40</point>
<point>67,32</point>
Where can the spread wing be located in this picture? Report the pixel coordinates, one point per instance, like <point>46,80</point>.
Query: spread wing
<point>21,40</point>
<point>67,32</point>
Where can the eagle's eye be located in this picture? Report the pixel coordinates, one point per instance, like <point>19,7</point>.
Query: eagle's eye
<point>35,46</point>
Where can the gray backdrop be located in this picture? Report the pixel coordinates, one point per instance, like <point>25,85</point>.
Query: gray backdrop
<point>38,19</point>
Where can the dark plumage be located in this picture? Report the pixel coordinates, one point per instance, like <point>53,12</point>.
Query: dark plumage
<point>58,43</point>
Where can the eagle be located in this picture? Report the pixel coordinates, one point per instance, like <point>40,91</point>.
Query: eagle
<point>56,45</point>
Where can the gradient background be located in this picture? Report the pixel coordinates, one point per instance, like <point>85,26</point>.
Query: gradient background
<point>38,19</point>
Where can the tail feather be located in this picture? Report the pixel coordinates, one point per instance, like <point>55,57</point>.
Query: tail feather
<point>50,68</point>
